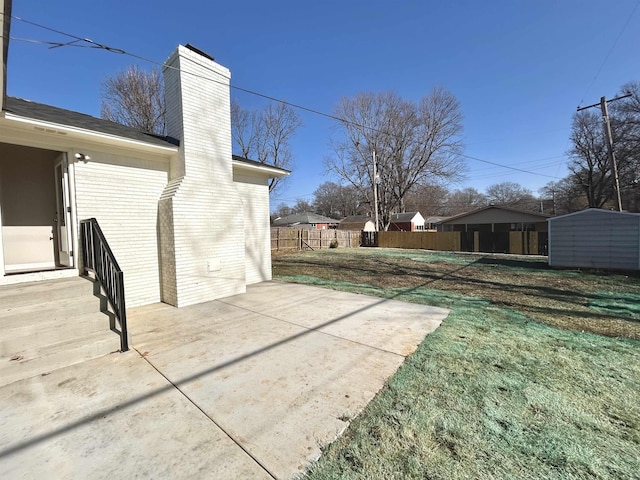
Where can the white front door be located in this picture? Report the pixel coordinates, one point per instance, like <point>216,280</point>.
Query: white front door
<point>62,219</point>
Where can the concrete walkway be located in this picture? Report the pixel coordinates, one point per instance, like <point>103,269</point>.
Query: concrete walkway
<point>245,387</point>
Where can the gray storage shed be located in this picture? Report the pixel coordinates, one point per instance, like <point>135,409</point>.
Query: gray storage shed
<point>595,238</point>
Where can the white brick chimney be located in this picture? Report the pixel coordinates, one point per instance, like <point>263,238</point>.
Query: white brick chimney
<point>200,221</point>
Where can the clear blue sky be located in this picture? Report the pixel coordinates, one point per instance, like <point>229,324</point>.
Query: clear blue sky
<point>519,68</point>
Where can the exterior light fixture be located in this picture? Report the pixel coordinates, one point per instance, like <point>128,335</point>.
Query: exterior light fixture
<point>83,157</point>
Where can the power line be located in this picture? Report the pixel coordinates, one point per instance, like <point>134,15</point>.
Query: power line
<point>615,43</point>
<point>121,51</point>
<point>506,166</point>
<point>88,43</point>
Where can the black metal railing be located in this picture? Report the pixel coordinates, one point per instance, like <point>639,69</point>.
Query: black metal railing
<point>98,257</point>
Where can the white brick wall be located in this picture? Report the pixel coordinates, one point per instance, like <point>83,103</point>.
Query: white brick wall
<point>254,190</point>
<point>122,194</point>
<point>202,225</point>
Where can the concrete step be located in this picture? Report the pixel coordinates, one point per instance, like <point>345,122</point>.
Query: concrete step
<point>49,325</point>
<point>55,356</point>
<point>34,293</point>
<point>38,334</point>
<point>41,312</point>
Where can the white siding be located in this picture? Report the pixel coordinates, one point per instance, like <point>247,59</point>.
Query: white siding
<point>201,215</point>
<point>595,239</point>
<point>122,194</point>
<point>254,190</point>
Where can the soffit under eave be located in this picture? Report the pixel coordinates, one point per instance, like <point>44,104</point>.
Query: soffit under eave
<point>33,133</point>
<point>259,171</point>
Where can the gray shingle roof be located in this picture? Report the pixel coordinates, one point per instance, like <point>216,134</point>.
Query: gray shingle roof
<point>303,218</point>
<point>543,216</point>
<point>255,163</point>
<point>356,218</point>
<point>403,217</point>
<point>47,113</point>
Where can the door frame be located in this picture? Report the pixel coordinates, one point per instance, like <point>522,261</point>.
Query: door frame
<point>58,271</point>
<point>3,272</point>
<point>64,225</point>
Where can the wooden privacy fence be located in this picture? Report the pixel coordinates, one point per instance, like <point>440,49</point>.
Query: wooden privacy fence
<point>446,241</point>
<point>312,239</point>
<point>528,243</point>
<point>521,243</point>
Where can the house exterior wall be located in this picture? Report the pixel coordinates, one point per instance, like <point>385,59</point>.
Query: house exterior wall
<point>254,190</point>
<point>200,212</point>
<point>400,227</point>
<point>595,239</point>
<point>122,193</point>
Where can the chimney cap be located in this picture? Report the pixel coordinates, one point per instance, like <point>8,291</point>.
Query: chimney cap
<point>199,52</point>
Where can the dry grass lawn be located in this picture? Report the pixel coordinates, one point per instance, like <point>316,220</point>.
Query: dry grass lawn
<point>530,375</point>
<point>577,300</point>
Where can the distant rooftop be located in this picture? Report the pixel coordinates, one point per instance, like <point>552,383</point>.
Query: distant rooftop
<point>303,218</point>
<point>403,217</point>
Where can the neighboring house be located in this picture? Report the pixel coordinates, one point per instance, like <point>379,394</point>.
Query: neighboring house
<point>306,220</point>
<point>406,222</point>
<point>595,238</point>
<point>186,221</point>
<point>431,223</point>
<point>492,228</point>
<point>357,222</point>
<point>495,218</point>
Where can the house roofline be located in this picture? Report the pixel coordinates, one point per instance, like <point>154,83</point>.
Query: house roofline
<point>44,127</point>
<point>253,166</point>
<point>500,207</point>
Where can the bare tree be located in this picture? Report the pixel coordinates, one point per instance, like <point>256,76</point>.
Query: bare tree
<point>589,164</point>
<point>135,97</point>
<point>626,118</point>
<point>282,210</point>
<point>465,200</point>
<point>511,194</point>
<point>303,206</point>
<point>563,196</point>
<point>265,135</point>
<point>413,143</point>
<point>429,200</point>
<point>336,201</point>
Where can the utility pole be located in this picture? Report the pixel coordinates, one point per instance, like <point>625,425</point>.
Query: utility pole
<point>376,180</point>
<point>607,132</point>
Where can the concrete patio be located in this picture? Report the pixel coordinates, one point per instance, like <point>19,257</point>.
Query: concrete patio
<point>245,387</point>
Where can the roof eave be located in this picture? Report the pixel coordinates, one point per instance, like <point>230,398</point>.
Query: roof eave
<point>268,170</point>
<point>18,122</point>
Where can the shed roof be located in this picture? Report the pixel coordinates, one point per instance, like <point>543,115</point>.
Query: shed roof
<point>355,222</point>
<point>405,217</point>
<point>60,116</point>
<point>596,212</point>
